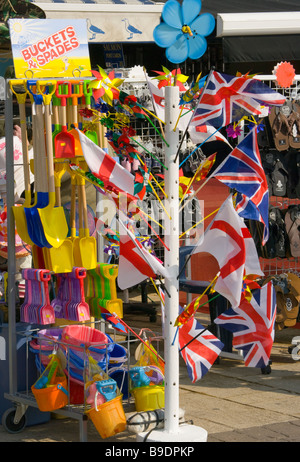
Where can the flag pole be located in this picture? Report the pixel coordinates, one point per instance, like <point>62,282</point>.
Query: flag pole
<point>171,261</point>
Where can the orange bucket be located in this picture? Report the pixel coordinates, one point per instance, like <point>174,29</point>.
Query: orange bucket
<point>53,397</point>
<point>110,418</point>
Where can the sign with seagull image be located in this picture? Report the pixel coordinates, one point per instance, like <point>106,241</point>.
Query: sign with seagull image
<point>132,30</point>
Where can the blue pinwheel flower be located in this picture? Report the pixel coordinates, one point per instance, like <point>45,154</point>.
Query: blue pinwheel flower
<point>183,30</point>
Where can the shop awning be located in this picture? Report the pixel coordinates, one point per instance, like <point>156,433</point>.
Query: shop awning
<point>109,21</point>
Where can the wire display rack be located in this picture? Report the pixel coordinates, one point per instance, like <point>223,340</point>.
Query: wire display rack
<point>21,400</point>
<point>24,398</point>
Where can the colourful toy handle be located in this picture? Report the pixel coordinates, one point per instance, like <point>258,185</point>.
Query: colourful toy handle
<point>21,97</point>
<point>87,92</point>
<point>52,373</point>
<point>107,388</point>
<point>47,97</point>
<point>63,96</point>
<point>60,387</point>
<point>41,383</point>
<point>139,377</point>
<point>37,98</point>
<point>76,91</point>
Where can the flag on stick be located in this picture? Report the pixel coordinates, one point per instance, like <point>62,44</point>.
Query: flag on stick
<point>252,325</point>
<point>200,353</point>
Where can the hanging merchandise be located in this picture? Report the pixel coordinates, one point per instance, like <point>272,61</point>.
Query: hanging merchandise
<point>36,308</point>
<point>106,408</point>
<point>51,388</point>
<point>292,223</point>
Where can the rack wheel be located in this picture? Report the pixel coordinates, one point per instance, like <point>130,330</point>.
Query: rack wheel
<point>9,424</point>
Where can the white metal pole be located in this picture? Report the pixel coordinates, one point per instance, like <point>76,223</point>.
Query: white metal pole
<point>172,431</point>
<point>171,261</point>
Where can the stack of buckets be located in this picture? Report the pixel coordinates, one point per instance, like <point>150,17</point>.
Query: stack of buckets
<point>147,388</point>
<point>106,413</point>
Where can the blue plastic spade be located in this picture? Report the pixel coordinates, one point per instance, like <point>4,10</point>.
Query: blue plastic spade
<point>34,224</point>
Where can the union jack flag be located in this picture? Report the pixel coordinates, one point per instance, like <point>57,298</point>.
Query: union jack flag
<point>242,170</point>
<point>252,325</point>
<point>202,352</point>
<point>227,99</point>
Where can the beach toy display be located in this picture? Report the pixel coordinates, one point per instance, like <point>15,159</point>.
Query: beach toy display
<point>51,389</point>
<point>106,413</point>
<point>36,307</point>
<point>101,290</point>
<point>69,302</point>
<point>147,387</point>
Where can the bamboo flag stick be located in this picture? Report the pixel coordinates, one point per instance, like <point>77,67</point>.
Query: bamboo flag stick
<point>153,177</point>
<point>177,121</point>
<point>158,198</point>
<point>140,338</point>
<point>151,154</point>
<point>182,315</point>
<point>162,190</point>
<point>198,223</point>
<point>194,194</point>
<point>148,224</point>
<point>191,181</point>
<point>152,219</point>
<point>159,121</point>
<point>157,291</point>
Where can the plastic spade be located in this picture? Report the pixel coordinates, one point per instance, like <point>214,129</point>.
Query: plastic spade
<point>53,218</point>
<point>34,224</point>
<point>88,93</point>
<point>19,212</point>
<point>64,143</point>
<point>76,93</point>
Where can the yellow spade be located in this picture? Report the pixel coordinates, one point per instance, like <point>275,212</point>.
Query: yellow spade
<point>53,218</point>
<point>19,212</point>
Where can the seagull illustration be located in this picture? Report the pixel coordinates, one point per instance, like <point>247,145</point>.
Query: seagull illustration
<point>131,29</point>
<point>93,30</point>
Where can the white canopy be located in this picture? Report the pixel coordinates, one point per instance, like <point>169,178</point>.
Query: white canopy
<point>109,21</point>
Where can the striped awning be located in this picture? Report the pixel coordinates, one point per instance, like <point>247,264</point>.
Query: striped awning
<point>109,21</point>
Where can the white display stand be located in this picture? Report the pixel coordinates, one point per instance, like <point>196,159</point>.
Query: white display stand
<point>172,431</point>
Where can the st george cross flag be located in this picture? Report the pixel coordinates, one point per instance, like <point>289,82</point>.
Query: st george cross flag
<point>228,239</point>
<point>252,325</point>
<point>158,99</point>
<point>242,170</point>
<point>202,352</point>
<point>135,262</point>
<point>226,99</point>
<point>105,167</point>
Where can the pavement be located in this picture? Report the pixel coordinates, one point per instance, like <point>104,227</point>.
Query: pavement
<point>233,403</point>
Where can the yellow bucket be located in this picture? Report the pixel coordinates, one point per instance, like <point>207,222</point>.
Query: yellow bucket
<point>149,398</point>
<point>109,419</point>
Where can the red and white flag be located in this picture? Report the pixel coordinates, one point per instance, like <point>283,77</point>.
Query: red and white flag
<point>228,239</point>
<point>135,262</point>
<point>105,167</point>
<point>158,100</point>
<point>205,133</point>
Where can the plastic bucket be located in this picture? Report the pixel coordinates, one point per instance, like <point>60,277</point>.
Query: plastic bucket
<point>109,419</point>
<point>52,398</point>
<point>76,392</point>
<point>120,375</point>
<point>149,398</point>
